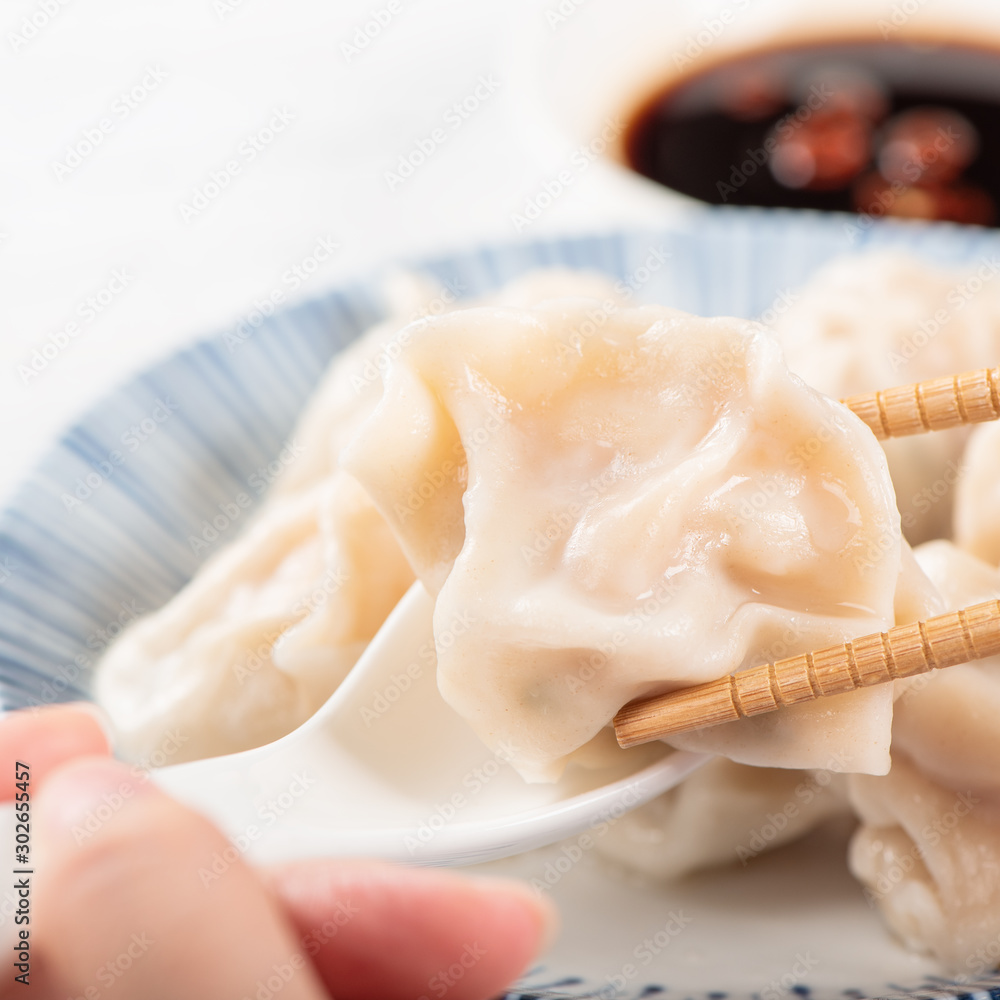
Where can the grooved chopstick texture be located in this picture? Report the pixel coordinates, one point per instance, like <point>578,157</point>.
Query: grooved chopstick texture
<point>970,398</point>
<point>903,651</point>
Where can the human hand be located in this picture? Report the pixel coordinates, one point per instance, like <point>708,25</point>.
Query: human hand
<point>117,902</point>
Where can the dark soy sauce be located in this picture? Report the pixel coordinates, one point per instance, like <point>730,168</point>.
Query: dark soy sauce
<point>886,128</point>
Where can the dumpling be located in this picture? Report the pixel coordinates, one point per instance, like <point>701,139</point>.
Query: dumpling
<point>928,849</point>
<point>977,495</point>
<point>724,813</point>
<point>872,321</point>
<point>929,858</point>
<point>272,623</point>
<point>262,635</point>
<point>613,503</point>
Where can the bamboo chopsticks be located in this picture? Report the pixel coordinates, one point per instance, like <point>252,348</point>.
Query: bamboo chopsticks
<point>969,398</point>
<point>903,651</point>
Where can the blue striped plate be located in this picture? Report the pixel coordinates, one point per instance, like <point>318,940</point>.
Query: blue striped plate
<point>100,532</point>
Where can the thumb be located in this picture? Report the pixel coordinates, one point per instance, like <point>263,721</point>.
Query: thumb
<point>135,891</point>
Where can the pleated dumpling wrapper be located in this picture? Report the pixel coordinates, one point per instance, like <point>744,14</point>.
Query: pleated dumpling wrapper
<point>928,848</point>
<point>977,495</point>
<point>611,502</point>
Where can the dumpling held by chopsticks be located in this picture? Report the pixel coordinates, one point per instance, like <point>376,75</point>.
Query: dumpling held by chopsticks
<point>614,502</point>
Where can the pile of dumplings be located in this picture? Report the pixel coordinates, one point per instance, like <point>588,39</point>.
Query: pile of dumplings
<point>622,500</point>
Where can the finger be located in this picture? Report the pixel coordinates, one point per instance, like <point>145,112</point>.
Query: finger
<point>128,897</point>
<point>381,931</point>
<point>46,737</point>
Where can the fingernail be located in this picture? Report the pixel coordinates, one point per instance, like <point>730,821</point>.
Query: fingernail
<point>81,798</point>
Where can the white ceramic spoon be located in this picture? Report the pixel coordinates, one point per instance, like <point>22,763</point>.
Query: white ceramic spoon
<point>386,769</point>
